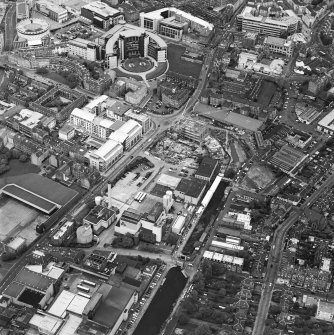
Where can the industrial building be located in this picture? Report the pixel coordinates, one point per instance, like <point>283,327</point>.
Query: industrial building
<point>31,289</point>
<point>16,245</point>
<point>207,168</point>
<point>178,224</point>
<point>84,234</point>
<point>100,218</point>
<point>326,124</point>
<point>84,49</point>
<point>154,220</point>
<point>106,156</point>
<point>172,23</point>
<point>101,15</point>
<point>63,233</point>
<point>190,190</point>
<point>129,222</point>
<point>325,311</point>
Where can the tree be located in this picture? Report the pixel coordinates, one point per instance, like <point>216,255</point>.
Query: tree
<point>222,292</point>
<point>183,318</point>
<point>42,70</point>
<point>172,238</point>
<point>5,257</point>
<point>23,158</point>
<point>203,330</point>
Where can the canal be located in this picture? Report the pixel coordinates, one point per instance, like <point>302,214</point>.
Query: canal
<point>162,303</point>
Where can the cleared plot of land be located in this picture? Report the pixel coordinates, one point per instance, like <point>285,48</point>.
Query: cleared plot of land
<point>176,64</point>
<point>267,92</point>
<point>57,77</point>
<point>258,176</point>
<point>238,154</point>
<point>14,216</point>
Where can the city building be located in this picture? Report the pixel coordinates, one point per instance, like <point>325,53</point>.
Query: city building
<point>326,124</point>
<point>207,168</point>
<point>279,45</point>
<point>66,132</point>
<point>99,104</point>
<point>143,119</point>
<point>194,130</point>
<point>30,288</point>
<point>63,233</point>
<point>106,156</point>
<point>22,10</point>
<point>16,246</point>
<point>117,110</point>
<point>325,311</point>
<point>84,49</point>
<point>190,190</point>
<point>101,15</point>
<point>232,263</point>
<point>54,12</point>
<point>125,41</point>
<point>154,221</point>
<point>172,23</point>
<point>129,134</point>
<point>32,32</point>
<point>178,224</point>
<point>100,218</point>
<point>251,20</point>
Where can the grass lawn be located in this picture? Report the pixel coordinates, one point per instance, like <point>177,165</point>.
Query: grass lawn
<point>57,77</point>
<point>176,64</point>
<point>120,73</point>
<point>17,168</point>
<point>162,67</point>
<point>267,92</point>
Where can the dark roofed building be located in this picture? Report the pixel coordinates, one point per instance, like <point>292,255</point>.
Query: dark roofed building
<point>155,212</point>
<point>207,169</point>
<point>100,218</point>
<point>191,190</point>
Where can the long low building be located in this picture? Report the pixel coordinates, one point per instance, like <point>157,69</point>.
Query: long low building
<point>39,192</point>
<point>326,124</point>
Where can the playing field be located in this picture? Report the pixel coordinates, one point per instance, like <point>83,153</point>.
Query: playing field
<point>14,216</point>
<point>267,92</point>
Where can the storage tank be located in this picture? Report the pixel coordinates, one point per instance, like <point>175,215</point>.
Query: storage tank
<point>84,234</point>
<point>98,200</point>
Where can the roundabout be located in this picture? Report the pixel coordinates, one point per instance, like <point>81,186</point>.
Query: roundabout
<point>137,65</point>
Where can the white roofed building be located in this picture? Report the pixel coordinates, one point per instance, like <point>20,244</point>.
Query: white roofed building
<point>143,119</point>
<point>106,156</point>
<point>279,45</point>
<point>173,23</point>
<point>133,130</point>
<point>102,15</point>
<point>326,124</point>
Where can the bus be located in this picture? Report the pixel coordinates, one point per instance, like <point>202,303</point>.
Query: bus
<point>138,196</point>
<point>89,283</point>
<point>83,288</point>
<point>141,199</point>
<point>84,295</point>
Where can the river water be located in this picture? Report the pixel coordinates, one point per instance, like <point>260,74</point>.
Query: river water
<point>162,303</point>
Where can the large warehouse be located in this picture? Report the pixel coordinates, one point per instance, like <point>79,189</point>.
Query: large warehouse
<point>38,192</point>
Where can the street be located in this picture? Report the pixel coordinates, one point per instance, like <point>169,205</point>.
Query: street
<point>276,255</point>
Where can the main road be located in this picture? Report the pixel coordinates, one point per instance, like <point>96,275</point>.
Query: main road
<point>10,27</point>
<point>275,256</point>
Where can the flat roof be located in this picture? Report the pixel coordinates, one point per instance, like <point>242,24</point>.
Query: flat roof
<point>14,289</point>
<point>207,167</point>
<point>129,127</point>
<point>61,303</point>
<point>101,8</point>
<point>328,121</point>
<point>192,187</point>
<point>16,243</point>
<point>113,304</point>
<point>42,186</point>
<point>34,280</point>
<point>108,149</point>
<point>29,198</point>
<point>71,325</point>
<point>168,180</point>
<point>83,114</point>
<point>156,15</point>
<point>46,323</point>
<point>235,119</point>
